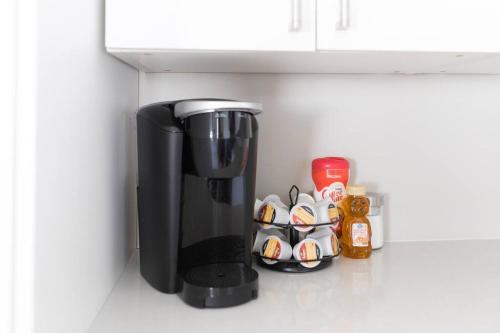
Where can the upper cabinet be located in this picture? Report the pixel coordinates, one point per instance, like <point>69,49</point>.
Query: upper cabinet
<point>306,36</point>
<point>239,25</point>
<point>409,25</point>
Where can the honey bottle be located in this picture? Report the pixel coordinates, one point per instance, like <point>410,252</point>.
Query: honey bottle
<point>356,229</point>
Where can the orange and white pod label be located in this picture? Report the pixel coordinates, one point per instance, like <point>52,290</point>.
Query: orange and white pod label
<point>303,215</point>
<point>271,248</point>
<point>309,250</point>
<point>335,244</point>
<point>267,213</point>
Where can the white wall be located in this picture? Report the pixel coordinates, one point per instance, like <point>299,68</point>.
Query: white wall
<point>431,143</point>
<point>21,94</point>
<point>84,182</point>
<point>8,35</point>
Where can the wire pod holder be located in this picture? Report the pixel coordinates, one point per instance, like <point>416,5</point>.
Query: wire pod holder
<point>293,265</point>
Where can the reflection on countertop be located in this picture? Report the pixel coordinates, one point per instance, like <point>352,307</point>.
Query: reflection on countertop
<point>404,287</point>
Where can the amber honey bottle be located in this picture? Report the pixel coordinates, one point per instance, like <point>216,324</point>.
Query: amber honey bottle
<point>356,230</point>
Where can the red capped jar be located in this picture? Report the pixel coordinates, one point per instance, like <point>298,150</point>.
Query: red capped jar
<point>330,176</point>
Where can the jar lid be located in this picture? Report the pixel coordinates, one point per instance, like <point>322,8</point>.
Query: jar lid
<point>356,190</point>
<point>330,163</point>
<point>376,199</point>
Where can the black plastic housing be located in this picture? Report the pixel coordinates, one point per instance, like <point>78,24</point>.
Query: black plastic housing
<point>159,141</point>
<point>196,193</point>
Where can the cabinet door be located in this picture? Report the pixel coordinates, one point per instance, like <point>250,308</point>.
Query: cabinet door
<point>277,25</point>
<point>409,25</point>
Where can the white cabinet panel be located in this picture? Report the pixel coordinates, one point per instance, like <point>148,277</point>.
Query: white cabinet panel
<point>278,25</point>
<point>409,25</point>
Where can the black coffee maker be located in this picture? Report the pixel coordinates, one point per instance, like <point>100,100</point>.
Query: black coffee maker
<point>196,193</point>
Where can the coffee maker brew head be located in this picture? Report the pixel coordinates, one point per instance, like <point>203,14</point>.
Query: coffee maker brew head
<point>217,136</point>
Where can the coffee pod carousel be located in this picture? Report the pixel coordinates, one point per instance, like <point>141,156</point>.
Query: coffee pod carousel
<point>282,230</point>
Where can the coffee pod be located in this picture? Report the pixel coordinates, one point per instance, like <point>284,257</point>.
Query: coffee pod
<point>327,240</point>
<point>327,211</point>
<point>275,248</point>
<point>334,240</point>
<point>256,207</point>
<point>303,217</point>
<point>336,227</point>
<point>261,235</point>
<point>276,199</point>
<point>271,212</point>
<point>305,198</point>
<point>308,249</point>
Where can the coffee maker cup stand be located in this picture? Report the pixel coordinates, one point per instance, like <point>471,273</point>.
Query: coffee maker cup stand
<point>293,265</point>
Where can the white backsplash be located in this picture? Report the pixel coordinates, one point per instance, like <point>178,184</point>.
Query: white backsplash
<point>431,143</point>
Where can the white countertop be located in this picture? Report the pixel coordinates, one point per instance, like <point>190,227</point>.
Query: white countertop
<point>451,286</point>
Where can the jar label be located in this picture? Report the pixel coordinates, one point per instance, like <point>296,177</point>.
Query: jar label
<point>335,191</point>
<point>360,235</point>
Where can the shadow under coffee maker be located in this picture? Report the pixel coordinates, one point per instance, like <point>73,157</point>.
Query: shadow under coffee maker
<point>196,192</point>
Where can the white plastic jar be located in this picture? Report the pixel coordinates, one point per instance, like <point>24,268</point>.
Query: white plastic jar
<point>375,218</point>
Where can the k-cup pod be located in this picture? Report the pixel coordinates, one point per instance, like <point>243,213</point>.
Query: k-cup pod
<point>327,211</point>
<point>327,240</point>
<point>261,235</point>
<point>256,207</point>
<point>308,249</point>
<point>271,212</point>
<point>336,227</point>
<point>335,244</point>
<point>320,233</point>
<point>303,217</point>
<point>305,198</point>
<point>275,248</point>
<point>276,199</point>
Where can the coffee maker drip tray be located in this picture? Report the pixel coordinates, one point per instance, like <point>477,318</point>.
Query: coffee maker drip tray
<point>219,285</point>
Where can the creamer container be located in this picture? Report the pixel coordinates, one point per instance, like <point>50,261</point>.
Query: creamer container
<point>356,229</point>
<point>330,176</point>
<point>375,217</point>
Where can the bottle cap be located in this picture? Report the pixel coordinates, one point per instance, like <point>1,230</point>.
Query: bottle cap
<point>356,190</point>
<point>330,163</point>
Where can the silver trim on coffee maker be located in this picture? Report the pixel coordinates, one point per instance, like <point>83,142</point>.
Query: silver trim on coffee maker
<point>185,109</point>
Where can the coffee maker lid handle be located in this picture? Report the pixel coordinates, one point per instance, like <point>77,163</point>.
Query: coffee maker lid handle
<point>185,109</point>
